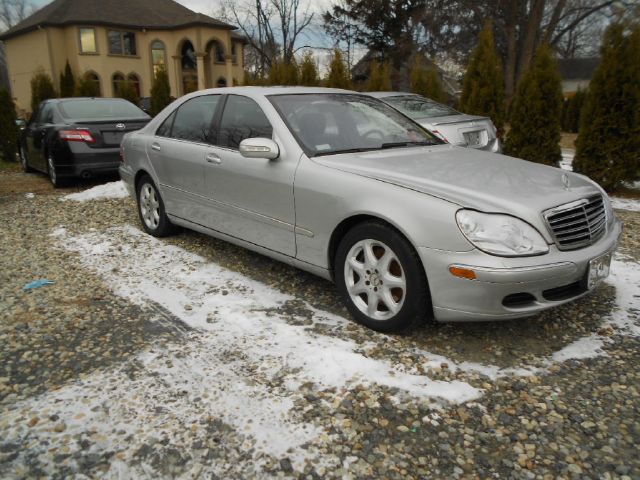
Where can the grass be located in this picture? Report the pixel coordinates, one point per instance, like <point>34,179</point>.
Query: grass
<point>9,167</point>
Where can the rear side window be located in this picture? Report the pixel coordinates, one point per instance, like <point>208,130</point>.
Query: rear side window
<point>242,118</point>
<point>194,120</point>
<point>165,128</point>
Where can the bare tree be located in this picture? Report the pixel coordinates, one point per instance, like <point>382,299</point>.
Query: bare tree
<point>272,27</point>
<point>13,12</point>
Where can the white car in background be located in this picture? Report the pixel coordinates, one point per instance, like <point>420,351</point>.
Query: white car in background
<point>450,125</point>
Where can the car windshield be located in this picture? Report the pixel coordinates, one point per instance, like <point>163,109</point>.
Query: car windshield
<point>105,108</point>
<point>417,107</point>
<point>331,123</point>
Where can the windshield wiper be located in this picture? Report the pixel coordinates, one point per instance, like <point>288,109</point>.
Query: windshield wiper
<point>346,150</point>
<point>406,144</point>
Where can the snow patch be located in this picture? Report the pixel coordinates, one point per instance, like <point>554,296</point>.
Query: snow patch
<point>630,204</point>
<point>111,190</point>
<point>30,195</point>
<point>586,347</point>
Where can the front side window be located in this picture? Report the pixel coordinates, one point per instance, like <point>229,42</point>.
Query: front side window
<point>121,43</point>
<point>326,124</point>
<point>242,118</point>
<point>194,120</point>
<point>417,107</point>
<point>88,40</point>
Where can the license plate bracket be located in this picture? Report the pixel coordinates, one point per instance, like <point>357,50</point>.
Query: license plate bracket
<point>599,269</point>
<point>473,138</point>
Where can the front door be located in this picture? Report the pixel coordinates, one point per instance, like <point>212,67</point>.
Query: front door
<point>251,199</point>
<point>178,154</point>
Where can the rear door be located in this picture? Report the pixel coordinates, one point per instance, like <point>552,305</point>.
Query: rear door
<point>178,153</point>
<point>251,199</point>
<point>35,135</point>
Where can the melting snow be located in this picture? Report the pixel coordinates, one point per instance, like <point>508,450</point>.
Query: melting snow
<point>100,192</point>
<point>630,204</point>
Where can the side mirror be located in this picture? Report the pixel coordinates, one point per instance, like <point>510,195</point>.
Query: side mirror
<point>259,148</point>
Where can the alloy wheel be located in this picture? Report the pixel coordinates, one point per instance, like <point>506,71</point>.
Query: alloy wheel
<point>52,170</point>
<point>149,206</point>
<point>375,279</point>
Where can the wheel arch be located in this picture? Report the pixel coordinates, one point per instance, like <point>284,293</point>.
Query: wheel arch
<point>348,223</point>
<point>139,174</point>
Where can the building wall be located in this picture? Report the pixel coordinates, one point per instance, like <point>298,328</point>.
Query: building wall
<point>51,47</point>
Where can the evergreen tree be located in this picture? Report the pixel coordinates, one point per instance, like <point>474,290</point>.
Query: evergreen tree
<point>338,76</point>
<point>608,145</point>
<point>536,111</point>
<point>160,92</point>
<point>87,87</point>
<point>426,81</point>
<point>309,71</point>
<point>483,86</point>
<point>572,109</point>
<point>67,82</point>
<point>283,73</point>
<point>128,92</point>
<point>8,127</point>
<point>41,89</point>
<point>379,77</point>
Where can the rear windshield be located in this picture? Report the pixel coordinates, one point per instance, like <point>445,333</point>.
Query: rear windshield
<point>417,107</point>
<point>107,108</point>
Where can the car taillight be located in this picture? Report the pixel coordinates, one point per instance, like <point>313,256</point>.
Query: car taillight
<point>77,136</point>
<point>439,135</point>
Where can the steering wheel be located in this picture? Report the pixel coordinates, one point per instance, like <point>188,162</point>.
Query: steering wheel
<point>372,134</point>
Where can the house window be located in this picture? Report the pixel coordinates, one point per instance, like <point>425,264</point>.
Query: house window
<point>121,43</point>
<point>218,51</point>
<point>158,56</point>
<point>88,40</point>
<point>117,81</point>
<point>234,53</point>
<point>134,79</point>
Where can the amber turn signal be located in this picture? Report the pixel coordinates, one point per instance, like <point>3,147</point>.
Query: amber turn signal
<point>463,273</point>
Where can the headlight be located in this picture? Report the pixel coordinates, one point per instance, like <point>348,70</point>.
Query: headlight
<point>501,235</point>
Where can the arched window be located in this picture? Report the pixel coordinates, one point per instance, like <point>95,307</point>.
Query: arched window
<point>222,82</point>
<point>158,56</point>
<point>134,79</point>
<point>92,88</point>
<point>116,82</point>
<point>189,68</point>
<point>217,51</point>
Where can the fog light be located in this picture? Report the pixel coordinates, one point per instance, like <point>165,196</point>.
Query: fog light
<point>462,273</point>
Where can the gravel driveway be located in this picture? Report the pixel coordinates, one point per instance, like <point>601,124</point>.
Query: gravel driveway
<point>190,358</point>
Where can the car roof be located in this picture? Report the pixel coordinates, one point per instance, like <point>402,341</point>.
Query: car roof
<point>275,90</point>
<point>390,94</point>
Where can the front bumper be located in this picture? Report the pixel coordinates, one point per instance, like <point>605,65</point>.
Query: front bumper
<point>538,282</point>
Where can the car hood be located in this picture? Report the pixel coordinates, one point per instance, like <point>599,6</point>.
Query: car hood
<point>470,178</point>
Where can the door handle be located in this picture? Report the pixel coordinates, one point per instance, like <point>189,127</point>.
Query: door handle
<point>156,147</point>
<point>213,158</point>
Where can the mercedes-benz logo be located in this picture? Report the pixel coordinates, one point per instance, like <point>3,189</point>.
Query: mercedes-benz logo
<point>121,126</point>
<point>566,181</point>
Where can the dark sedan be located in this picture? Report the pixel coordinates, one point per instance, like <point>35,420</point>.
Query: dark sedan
<point>78,137</point>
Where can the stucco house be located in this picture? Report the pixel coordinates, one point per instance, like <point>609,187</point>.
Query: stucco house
<point>110,40</point>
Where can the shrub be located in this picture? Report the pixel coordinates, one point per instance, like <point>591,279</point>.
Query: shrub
<point>608,145</point>
<point>338,76</point>
<point>67,82</point>
<point>160,92</point>
<point>87,87</point>
<point>483,86</point>
<point>41,89</point>
<point>379,77</point>
<point>535,113</point>
<point>128,92</point>
<point>426,81</point>
<point>309,71</point>
<point>10,132</point>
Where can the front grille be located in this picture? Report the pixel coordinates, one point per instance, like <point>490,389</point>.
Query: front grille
<point>578,224</point>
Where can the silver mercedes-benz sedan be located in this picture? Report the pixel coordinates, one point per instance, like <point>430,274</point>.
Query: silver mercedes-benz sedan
<point>344,186</point>
<point>446,123</point>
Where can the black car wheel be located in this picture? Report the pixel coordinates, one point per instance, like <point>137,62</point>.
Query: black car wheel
<point>53,173</point>
<point>151,209</point>
<point>380,277</point>
<point>24,161</point>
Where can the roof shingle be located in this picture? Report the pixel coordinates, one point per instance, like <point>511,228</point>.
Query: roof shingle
<point>134,14</point>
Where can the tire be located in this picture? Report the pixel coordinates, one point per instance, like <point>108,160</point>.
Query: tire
<point>24,161</point>
<point>151,209</point>
<point>56,181</point>
<point>380,278</point>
